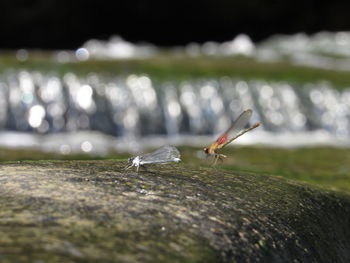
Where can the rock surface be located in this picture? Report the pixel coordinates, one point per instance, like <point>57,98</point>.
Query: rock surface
<point>95,211</point>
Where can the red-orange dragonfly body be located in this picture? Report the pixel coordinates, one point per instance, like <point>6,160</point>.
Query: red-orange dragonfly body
<point>233,132</point>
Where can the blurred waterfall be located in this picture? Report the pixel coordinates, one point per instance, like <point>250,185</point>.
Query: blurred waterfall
<point>135,107</point>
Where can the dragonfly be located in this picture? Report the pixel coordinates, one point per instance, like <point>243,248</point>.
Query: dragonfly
<point>163,155</point>
<point>232,133</point>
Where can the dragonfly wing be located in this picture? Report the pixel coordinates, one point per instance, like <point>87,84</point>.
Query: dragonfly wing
<point>162,155</point>
<point>235,128</point>
<point>240,134</point>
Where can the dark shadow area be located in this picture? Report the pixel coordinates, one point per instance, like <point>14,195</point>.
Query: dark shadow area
<point>65,25</point>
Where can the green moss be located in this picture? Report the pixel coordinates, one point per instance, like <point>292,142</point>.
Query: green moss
<point>323,166</point>
<point>169,67</point>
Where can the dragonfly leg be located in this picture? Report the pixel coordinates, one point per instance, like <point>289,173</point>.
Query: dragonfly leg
<point>216,157</point>
<point>215,160</point>
<point>221,157</point>
<point>128,167</point>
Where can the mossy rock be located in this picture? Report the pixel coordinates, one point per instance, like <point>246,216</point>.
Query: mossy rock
<point>95,211</point>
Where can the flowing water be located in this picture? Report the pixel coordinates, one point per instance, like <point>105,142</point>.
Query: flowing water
<point>94,113</point>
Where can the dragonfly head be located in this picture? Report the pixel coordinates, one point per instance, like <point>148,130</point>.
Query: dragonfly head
<point>206,150</point>
<point>131,159</point>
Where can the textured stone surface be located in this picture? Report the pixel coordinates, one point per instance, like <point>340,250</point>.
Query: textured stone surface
<point>84,211</point>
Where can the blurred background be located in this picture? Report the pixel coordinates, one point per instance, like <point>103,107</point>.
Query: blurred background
<point>102,79</point>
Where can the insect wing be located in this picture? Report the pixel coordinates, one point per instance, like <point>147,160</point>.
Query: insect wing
<point>236,127</point>
<point>165,154</point>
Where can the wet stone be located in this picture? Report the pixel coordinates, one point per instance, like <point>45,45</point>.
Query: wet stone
<point>95,211</point>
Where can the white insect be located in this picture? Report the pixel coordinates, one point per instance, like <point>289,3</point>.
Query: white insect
<point>163,155</point>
